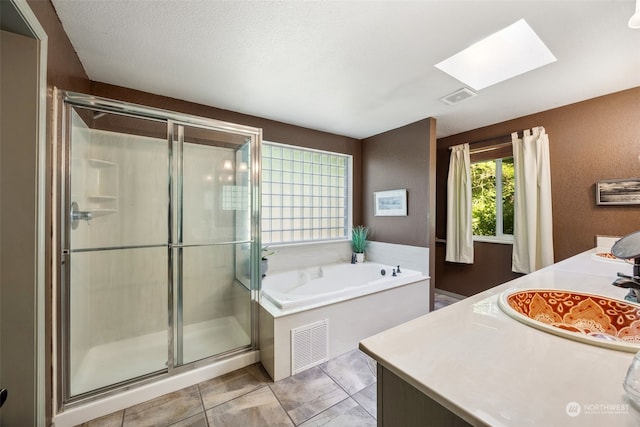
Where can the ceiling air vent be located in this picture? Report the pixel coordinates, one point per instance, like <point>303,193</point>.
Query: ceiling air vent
<point>458,96</point>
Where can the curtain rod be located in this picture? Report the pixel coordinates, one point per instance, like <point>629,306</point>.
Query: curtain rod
<point>493,147</point>
<point>485,149</point>
<point>480,150</point>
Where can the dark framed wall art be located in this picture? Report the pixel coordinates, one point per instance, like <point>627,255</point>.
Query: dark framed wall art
<point>618,192</point>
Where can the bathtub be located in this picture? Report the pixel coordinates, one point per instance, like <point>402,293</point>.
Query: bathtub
<point>316,286</point>
<point>338,305</point>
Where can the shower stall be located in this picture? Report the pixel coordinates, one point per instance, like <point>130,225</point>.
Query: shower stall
<point>159,248</point>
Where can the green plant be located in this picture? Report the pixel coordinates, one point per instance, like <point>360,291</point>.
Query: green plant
<point>359,235</point>
<point>483,190</point>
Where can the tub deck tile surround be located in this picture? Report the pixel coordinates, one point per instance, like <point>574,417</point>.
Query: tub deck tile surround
<point>247,397</point>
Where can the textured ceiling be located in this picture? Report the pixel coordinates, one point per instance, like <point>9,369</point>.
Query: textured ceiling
<point>354,68</point>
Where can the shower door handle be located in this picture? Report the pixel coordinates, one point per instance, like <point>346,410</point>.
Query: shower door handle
<point>77,215</point>
<point>195,245</point>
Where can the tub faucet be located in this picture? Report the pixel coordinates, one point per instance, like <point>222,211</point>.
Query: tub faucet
<point>629,248</point>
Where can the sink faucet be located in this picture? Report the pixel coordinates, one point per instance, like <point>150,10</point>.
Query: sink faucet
<point>629,248</point>
<point>630,282</point>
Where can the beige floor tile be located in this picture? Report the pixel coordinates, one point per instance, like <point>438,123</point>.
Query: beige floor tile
<point>351,371</point>
<point>258,408</point>
<point>346,413</point>
<point>443,300</point>
<point>232,385</point>
<point>165,410</point>
<point>307,394</point>
<point>367,399</point>
<point>111,420</point>
<point>198,420</point>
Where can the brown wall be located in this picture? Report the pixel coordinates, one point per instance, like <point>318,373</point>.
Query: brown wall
<point>18,237</point>
<point>64,70</point>
<point>400,158</point>
<point>403,158</point>
<point>271,130</point>
<point>592,140</point>
<point>589,141</point>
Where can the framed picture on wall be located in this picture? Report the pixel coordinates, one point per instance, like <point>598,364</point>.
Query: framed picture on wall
<point>618,192</point>
<point>390,203</point>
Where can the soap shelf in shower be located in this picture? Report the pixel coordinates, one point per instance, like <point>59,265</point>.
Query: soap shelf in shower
<point>99,193</point>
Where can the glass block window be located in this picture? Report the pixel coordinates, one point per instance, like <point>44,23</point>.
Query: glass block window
<point>305,194</point>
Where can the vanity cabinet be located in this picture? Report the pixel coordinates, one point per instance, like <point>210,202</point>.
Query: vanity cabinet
<point>401,404</point>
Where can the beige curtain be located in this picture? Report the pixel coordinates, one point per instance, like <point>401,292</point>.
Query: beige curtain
<point>459,230</point>
<point>533,225</point>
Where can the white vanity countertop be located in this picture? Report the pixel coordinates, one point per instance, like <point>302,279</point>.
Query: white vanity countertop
<point>490,369</point>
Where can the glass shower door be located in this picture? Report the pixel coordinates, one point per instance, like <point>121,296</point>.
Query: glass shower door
<point>115,250</point>
<point>158,231</point>
<point>211,243</point>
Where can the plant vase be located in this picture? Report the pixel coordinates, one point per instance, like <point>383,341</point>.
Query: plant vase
<point>359,235</point>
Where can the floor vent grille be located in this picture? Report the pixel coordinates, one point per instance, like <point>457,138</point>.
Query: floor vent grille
<point>309,346</point>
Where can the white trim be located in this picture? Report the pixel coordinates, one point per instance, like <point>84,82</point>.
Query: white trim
<point>41,36</point>
<point>499,187</point>
<point>505,239</point>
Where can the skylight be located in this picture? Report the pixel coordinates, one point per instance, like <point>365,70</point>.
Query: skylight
<point>507,53</point>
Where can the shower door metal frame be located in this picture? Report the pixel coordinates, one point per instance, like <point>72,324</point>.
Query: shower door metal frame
<point>176,143</point>
<point>65,101</point>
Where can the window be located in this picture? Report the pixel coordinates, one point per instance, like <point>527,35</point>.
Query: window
<point>305,194</point>
<point>492,199</point>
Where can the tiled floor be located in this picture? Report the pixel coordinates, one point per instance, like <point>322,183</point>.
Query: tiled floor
<point>443,300</point>
<point>340,392</point>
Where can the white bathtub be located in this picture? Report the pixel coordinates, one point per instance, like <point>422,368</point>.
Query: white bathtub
<point>343,304</point>
<point>316,286</point>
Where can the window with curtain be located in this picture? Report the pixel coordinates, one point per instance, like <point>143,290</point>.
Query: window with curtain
<point>492,192</point>
<point>305,194</point>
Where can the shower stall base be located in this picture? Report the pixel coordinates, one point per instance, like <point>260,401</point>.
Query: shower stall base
<point>122,360</point>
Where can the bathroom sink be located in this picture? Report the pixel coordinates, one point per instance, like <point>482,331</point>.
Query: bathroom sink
<point>592,319</point>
